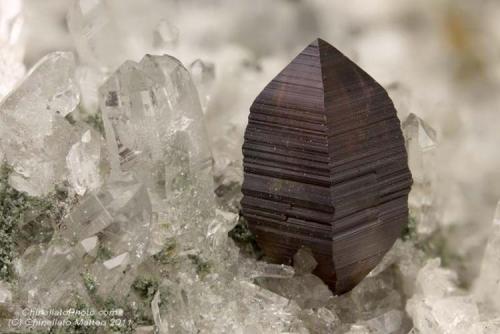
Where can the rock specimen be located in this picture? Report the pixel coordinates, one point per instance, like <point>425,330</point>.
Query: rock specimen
<point>325,167</point>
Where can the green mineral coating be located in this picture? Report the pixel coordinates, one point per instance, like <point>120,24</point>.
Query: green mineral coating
<point>15,208</point>
<point>103,253</point>
<point>166,255</point>
<point>164,296</point>
<point>202,266</point>
<point>146,287</point>
<point>95,121</point>
<point>89,282</point>
<point>241,233</point>
<point>410,231</point>
<point>244,238</point>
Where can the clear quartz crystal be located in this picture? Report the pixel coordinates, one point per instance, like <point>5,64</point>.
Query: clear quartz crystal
<point>306,290</point>
<point>421,143</point>
<point>104,237</point>
<point>120,215</point>
<point>83,162</point>
<point>34,133</point>
<point>166,35</point>
<point>387,323</point>
<point>487,285</point>
<point>89,79</point>
<point>303,261</point>
<point>435,281</point>
<point>203,74</point>
<point>456,314</point>
<point>439,306</point>
<point>250,269</point>
<point>43,267</point>
<point>320,321</point>
<point>168,298</point>
<point>11,70</point>
<point>108,32</point>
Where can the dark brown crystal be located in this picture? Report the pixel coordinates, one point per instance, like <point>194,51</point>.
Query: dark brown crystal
<point>325,167</point>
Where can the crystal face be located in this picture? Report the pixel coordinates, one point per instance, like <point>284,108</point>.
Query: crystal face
<point>325,167</point>
<point>487,284</point>
<point>153,122</point>
<point>119,214</point>
<point>203,75</point>
<point>83,161</point>
<point>421,144</point>
<point>35,136</point>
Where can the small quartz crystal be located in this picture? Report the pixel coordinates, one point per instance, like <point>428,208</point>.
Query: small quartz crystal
<point>203,74</point>
<point>421,144</point>
<point>83,161</point>
<point>487,285</point>
<point>303,261</point>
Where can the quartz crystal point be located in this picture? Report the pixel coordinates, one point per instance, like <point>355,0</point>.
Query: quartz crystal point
<point>83,161</point>
<point>108,32</point>
<point>203,74</point>
<point>119,214</point>
<point>154,129</point>
<point>34,134</point>
<point>421,141</point>
<point>487,285</point>
<point>325,167</point>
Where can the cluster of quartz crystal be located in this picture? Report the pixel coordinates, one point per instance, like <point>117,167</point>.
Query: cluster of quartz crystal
<point>122,135</point>
<point>421,143</point>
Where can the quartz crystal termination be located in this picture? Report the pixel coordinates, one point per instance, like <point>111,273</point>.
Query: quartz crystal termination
<point>34,133</point>
<point>325,167</point>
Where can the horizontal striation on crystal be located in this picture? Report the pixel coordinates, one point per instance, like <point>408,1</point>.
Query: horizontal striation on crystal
<point>325,167</point>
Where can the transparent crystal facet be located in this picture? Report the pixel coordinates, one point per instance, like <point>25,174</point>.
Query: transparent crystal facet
<point>487,285</point>
<point>35,135</point>
<point>203,74</point>
<point>120,215</point>
<point>83,161</point>
<point>154,129</point>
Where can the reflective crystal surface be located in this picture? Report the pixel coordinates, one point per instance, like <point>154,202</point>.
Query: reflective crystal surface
<point>106,191</point>
<point>83,163</point>
<point>154,129</point>
<point>203,74</point>
<point>487,285</point>
<point>35,136</point>
<point>119,214</point>
<point>421,144</point>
